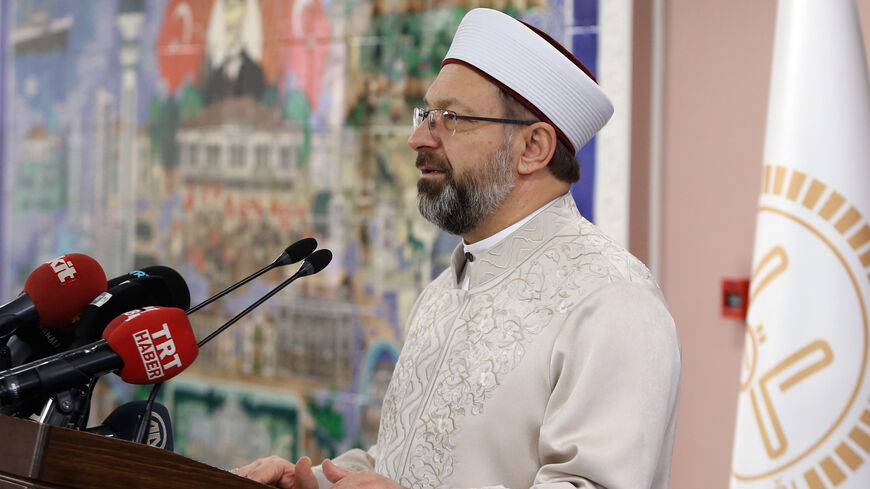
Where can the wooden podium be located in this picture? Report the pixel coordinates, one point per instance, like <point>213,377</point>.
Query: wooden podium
<point>34,455</point>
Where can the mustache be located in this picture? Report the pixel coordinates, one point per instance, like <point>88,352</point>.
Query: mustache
<point>434,161</point>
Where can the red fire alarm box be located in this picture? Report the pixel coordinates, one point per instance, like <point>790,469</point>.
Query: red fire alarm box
<point>735,297</point>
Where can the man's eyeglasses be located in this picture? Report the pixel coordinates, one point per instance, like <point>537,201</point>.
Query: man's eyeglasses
<point>447,119</point>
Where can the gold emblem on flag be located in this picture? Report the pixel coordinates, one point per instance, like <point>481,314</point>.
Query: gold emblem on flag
<point>789,435</point>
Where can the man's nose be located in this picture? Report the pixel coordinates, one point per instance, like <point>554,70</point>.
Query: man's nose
<point>421,139</point>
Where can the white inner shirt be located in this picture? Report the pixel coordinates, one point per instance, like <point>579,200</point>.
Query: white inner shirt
<point>484,245</point>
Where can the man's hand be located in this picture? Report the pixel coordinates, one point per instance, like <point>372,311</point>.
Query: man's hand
<point>278,472</point>
<point>342,479</point>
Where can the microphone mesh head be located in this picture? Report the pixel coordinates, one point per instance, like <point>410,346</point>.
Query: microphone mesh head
<point>178,291</point>
<point>155,343</point>
<point>319,259</point>
<point>61,288</point>
<point>175,284</point>
<point>298,251</point>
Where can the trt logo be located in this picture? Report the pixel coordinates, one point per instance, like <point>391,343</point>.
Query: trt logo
<point>131,315</point>
<point>157,351</point>
<point>64,269</point>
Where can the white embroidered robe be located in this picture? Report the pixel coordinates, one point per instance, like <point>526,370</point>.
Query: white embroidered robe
<point>559,367</point>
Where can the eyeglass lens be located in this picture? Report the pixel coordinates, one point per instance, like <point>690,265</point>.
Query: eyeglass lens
<point>434,116</point>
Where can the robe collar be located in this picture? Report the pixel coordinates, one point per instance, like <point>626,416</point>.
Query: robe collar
<point>513,249</point>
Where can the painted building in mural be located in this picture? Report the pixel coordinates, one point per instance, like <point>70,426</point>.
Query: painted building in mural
<point>208,135</point>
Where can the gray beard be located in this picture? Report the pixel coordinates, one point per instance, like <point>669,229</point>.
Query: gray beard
<point>462,203</point>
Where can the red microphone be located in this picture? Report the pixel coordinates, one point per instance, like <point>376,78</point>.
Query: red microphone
<point>156,343</point>
<point>55,294</point>
<point>148,346</point>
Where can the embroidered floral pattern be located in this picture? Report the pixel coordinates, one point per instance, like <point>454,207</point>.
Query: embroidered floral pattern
<point>462,345</point>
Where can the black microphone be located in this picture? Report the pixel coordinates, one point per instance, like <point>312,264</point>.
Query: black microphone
<point>292,254</point>
<point>176,286</point>
<point>148,290</point>
<point>122,423</point>
<point>314,262</point>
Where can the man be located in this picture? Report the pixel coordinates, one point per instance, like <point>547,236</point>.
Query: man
<point>545,356</point>
<point>234,48</point>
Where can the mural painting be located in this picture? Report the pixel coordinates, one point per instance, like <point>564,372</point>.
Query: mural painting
<point>208,135</point>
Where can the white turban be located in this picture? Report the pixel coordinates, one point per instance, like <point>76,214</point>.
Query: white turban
<point>534,69</point>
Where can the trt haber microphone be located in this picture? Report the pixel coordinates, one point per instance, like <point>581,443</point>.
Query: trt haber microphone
<point>54,294</point>
<point>148,346</point>
<point>292,254</point>
<point>122,422</point>
<point>156,343</point>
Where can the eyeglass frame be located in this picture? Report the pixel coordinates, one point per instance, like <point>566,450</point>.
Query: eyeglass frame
<point>423,114</point>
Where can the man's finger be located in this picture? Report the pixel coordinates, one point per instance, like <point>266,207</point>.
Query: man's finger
<point>332,472</point>
<point>244,470</point>
<point>269,470</point>
<point>304,475</point>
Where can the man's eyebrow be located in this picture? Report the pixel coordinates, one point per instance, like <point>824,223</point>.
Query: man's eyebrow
<point>446,103</point>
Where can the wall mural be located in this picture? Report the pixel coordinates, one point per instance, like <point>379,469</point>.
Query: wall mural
<point>207,135</point>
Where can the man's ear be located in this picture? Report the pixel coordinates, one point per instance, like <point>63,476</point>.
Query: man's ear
<point>539,144</point>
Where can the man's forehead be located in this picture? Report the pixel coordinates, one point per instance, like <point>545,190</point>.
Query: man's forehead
<point>460,89</point>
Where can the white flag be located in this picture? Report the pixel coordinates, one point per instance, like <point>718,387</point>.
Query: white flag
<point>803,416</point>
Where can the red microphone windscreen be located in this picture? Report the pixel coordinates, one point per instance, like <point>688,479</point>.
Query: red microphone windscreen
<point>62,288</point>
<point>113,325</point>
<point>155,343</point>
